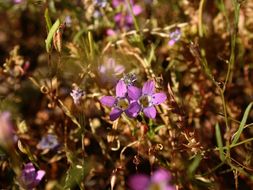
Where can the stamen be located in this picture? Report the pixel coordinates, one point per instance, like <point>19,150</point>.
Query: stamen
<point>122,103</point>
<point>145,101</point>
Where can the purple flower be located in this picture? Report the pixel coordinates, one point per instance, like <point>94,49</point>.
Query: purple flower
<point>48,141</point>
<point>7,136</point>
<point>101,3</point>
<point>174,36</point>
<point>125,20</point>
<point>120,103</point>
<point>17,1</point>
<point>77,94</point>
<point>68,21</point>
<point>145,99</point>
<point>30,178</point>
<point>159,180</point>
<point>109,72</point>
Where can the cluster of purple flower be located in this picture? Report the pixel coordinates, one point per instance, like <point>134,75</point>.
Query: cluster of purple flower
<point>132,100</point>
<point>124,19</point>
<point>159,180</point>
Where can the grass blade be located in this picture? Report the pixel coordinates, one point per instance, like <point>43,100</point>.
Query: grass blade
<point>48,20</point>
<point>242,124</point>
<point>50,35</point>
<point>219,141</point>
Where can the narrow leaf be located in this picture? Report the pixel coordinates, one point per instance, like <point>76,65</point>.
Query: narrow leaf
<point>50,35</point>
<point>194,165</point>
<point>219,141</point>
<point>242,124</point>
<point>48,20</point>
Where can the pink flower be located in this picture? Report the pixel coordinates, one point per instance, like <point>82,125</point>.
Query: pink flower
<point>159,180</point>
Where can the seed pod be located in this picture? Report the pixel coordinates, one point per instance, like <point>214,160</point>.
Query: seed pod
<point>57,38</point>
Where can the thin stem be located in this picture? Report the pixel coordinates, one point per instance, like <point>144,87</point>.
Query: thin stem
<point>200,24</point>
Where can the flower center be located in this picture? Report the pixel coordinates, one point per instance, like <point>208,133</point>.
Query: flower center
<point>145,101</point>
<point>156,186</point>
<point>122,103</point>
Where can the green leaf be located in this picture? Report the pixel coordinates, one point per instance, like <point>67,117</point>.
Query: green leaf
<point>194,165</point>
<point>242,124</point>
<point>50,35</point>
<point>219,141</point>
<point>76,174</point>
<point>48,20</point>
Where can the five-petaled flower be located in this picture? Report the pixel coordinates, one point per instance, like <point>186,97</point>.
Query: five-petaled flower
<point>174,36</point>
<point>110,71</point>
<point>30,178</point>
<point>77,95</point>
<point>145,99</point>
<point>120,103</point>
<point>49,141</point>
<point>159,180</point>
<point>131,99</point>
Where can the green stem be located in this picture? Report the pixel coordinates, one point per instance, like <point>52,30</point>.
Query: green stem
<point>136,25</point>
<point>200,24</point>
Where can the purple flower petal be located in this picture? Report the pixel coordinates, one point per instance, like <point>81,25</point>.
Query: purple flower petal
<point>28,175</point>
<point>150,112</point>
<point>102,69</point>
<point>40,175</point>
<point>138,182</point>
<point>160,175</point>
<point>110,32</point>
<point>148,87</point>
<point>119,69</point>
<point>133,110</point>
<point>116,3</point>
<point>137,9</point>
<point>158,98</point>
<point>118,17</point>
<point>170,187</point>
<point>48,141</point>
<point>108,100</point>
<point>171,42</point>
<point>134,93</point>
<point>115,113</point>
<point>121,89</point>
<point>129,19</point>
<point>30,178</point>
<point>29,168</point>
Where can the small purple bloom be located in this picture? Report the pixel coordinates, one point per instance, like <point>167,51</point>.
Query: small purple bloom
<point>68,21</point>
<point>145,99</point>
<point>125,20</point>
<point>174,36</point>
<point>48,141</point>
<point>110,32</point>
<point>109,72</point>
<point>120,103</point>
<point>77,94</point>
<point>17,1</point>
<point>101,3</point>
<point>159,180</point>
<point>30,178</point>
